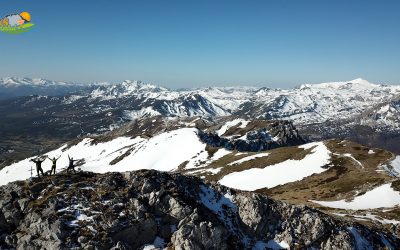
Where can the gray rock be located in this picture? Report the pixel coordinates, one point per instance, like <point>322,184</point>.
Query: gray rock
<point>130,210</point>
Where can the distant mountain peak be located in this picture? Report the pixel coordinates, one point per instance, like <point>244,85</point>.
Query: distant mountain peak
<point>360,80</point>
<point>20,81</point>
<point>356,84</point>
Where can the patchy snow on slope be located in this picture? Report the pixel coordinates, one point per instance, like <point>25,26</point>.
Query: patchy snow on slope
<point>271,244</point>
<point>281,173</point>
<point>382,196</point>
<point>243,123</point>
<point>203,158</point>
<point>396,165</point>
<point>159,243</point>
<point>220,153</point>
<point>144,112</point>
<point>222,206</point>
<point>354,159</point>
<point>164,152</point>
<point>371,152</point>
<point>214,170</point>
<point>249,158</point>
<point>372,217</point>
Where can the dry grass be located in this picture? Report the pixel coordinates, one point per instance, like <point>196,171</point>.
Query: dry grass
<point>341,180</point>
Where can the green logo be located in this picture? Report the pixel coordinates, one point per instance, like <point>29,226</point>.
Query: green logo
<point>16,23</point>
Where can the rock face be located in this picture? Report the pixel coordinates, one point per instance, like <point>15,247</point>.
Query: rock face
<point>270,135</point>
<point>133,210</point>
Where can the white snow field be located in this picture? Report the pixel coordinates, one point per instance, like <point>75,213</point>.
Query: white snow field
<point>164,152</point>
<point>382,196</point>
<point>281,173</point>
<point>396,165</point>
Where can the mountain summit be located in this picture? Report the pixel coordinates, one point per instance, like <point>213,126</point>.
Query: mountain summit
<point>154,210</point>
<point>356,84</point>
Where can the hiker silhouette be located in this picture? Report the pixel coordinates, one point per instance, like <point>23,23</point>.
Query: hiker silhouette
<point>54,165</point>
<point>38,161</point>
<point>71,165</point>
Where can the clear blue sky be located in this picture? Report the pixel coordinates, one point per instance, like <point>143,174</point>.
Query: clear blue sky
<point>201,43</point>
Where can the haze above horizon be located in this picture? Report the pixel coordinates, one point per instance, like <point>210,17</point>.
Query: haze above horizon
<point>182,44</point>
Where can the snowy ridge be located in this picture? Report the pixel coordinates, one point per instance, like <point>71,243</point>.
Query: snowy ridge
<point>159,152</point>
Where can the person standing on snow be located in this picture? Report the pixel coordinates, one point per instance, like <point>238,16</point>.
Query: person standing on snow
<point>71,165</point>
<point>38,163</point>
<point>53,166</point>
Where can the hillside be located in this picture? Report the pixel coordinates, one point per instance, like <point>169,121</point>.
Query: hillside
<point>268,157</point>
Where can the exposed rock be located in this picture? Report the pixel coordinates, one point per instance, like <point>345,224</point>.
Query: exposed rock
<point>134,209</point>
<point>270,135</point>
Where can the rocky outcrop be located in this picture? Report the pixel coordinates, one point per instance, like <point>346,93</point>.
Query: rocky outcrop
<point>147,208</point>
<point>277,134</point>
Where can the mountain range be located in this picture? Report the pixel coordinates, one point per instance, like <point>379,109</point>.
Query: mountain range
<point>314,167</point>
<point>357,110</point>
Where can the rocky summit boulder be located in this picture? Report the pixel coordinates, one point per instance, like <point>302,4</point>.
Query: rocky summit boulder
<point>149,209</point>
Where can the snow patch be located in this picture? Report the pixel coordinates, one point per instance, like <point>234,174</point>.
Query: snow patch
<point>158,243</point>
<point>243,123</point>
<point>281,173</point>
<point>382,196</point>
<point>271,244</point>
<point>222,206</point>
<point>249,158</point>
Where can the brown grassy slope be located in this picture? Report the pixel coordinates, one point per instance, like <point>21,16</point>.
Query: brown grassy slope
<point>340,181</point>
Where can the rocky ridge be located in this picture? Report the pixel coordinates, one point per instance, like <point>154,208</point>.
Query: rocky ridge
<point>134,210</point>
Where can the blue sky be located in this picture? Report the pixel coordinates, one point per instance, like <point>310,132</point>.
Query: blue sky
<point>202,43</point>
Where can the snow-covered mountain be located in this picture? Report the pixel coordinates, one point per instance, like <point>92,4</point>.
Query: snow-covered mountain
<point>325,174</point>
<point>308,103</point>
<point>15,86</point>
<point>384,116</point>
<point>319,102</point>
<point>322,111</point>
<point>216,134</point>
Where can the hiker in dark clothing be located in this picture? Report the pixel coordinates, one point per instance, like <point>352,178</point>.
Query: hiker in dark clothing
<point>53,166</point>
<point>71,165</point>
<point>38,162</point>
